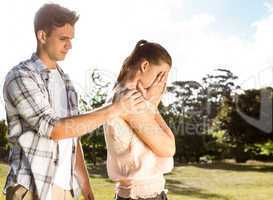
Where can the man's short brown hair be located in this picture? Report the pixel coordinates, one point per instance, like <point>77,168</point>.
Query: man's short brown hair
<point>51,15</point>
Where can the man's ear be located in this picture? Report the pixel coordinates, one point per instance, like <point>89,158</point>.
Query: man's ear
<point>144,65</point>
<point>41,36</point>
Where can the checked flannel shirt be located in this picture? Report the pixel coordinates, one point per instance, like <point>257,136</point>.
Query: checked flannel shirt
<point>34,156</point>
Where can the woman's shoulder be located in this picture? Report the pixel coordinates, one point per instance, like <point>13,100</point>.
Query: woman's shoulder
<point>115,92</point>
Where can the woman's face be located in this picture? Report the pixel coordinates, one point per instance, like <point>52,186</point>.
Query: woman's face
<point>149,72</point>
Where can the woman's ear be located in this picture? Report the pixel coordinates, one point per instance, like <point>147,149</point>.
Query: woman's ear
<point>144,66</point>
<point>41,36</point>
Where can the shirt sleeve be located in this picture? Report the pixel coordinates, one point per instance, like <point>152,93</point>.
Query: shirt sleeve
<point>118,136</point>
<point>31,103</point>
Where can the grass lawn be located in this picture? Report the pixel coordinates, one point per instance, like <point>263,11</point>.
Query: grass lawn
<point>220,180</point>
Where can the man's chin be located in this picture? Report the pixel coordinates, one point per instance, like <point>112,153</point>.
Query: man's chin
<point>61,58</point>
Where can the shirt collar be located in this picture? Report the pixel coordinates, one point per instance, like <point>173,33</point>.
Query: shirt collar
<point>39,66</point>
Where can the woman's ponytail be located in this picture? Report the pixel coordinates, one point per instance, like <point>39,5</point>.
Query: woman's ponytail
<point>152,52</point>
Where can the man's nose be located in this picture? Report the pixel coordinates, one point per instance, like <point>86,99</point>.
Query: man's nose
<point>68,45</point>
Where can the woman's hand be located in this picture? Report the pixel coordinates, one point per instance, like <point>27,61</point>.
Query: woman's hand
<point>154,93</point>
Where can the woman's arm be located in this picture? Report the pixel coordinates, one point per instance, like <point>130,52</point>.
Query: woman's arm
<point>154,132</point>
<point>161,122</point>
<point>149,125</point>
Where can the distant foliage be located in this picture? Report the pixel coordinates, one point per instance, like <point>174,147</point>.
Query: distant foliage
<point>4,146</point>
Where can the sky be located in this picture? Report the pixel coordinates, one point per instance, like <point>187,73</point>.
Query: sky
<point>201,35</point>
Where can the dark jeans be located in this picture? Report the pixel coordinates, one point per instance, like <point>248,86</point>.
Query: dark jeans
<point>161,196</point>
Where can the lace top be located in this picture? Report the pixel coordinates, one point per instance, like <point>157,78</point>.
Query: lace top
<point>136,169</point>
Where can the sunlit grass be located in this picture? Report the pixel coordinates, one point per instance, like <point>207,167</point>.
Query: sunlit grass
<point>215,181</point>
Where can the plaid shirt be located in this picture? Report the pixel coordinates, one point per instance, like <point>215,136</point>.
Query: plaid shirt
<point>34,156</point>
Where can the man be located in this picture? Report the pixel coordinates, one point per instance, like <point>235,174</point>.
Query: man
<point>46,158</point>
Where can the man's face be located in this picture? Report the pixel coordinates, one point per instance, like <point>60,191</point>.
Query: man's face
<point>58,43</point>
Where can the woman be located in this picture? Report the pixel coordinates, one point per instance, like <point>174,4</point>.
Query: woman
<point>140,146</point>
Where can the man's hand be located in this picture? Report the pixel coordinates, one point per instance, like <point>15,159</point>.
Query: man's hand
<point>153,94</point>
<point>128,102</point>
<point>87,192</point>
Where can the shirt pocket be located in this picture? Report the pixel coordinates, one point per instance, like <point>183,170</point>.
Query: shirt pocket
<point>41,81</point>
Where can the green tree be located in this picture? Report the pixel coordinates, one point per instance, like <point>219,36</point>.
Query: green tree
<point>4,146</point>
<point>217,86</point>
<point>194,107</point>
<point>243,135</point>
<point>185,117</point>
<point>93,144</point>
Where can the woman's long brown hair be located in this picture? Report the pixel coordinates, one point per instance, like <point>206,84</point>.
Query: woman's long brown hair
<point>152,52</point>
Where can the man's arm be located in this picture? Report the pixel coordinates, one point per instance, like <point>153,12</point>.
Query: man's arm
<point>77,126</point>
<point>25,95</point>
<point>82,174</point>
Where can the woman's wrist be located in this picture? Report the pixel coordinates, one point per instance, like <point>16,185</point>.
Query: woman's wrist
<point>152,106</point>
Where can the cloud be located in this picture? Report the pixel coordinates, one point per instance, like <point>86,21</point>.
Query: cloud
<point>269,6</point>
